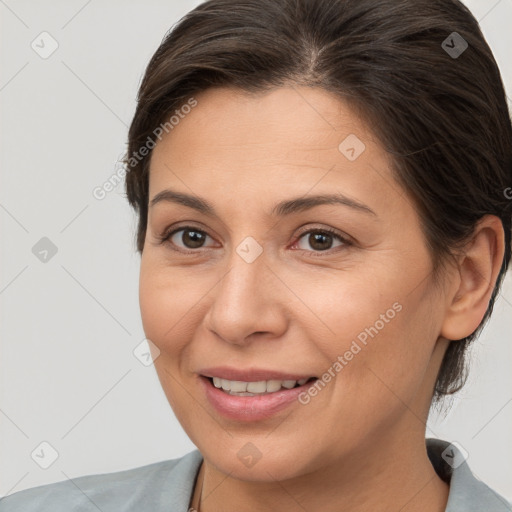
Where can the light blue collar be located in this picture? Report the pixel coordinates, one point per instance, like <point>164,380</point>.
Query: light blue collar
<point>467,493</point>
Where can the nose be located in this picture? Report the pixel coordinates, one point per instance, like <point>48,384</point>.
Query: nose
<point>248,303</point>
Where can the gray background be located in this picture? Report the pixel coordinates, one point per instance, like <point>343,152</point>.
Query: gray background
<point>69,325</point>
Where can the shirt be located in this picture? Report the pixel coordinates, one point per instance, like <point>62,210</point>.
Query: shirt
<point>167,486</point>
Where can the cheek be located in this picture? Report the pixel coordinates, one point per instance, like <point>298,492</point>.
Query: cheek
<point>161,306</point>
<point>380,335</point>
<point>383,358</point>
<point>164,304</point>
<point>351,310</point>
<point>167,313</point>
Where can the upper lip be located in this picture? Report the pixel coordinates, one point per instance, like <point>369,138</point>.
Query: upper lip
<point>251,374</point>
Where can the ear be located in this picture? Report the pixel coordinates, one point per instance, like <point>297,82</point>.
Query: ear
<point>478,267</point>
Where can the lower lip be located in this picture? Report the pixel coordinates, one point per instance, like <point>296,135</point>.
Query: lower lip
<point>251,408</point>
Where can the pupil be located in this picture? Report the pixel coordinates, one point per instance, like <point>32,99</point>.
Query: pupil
<point>193,240</point>
<point>316,238</point>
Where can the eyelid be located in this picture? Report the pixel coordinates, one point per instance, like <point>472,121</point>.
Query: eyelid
<point>324,229</point>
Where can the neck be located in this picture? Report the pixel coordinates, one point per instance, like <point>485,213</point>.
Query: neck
<point>385,476</point>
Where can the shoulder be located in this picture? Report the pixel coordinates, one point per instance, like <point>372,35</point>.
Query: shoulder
<point>158,486</point>
<point>467,492</point>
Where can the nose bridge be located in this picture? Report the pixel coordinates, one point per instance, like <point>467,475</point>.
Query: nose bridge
<point>242,288</point>
<point>244,301</point>
<point>247,266</point>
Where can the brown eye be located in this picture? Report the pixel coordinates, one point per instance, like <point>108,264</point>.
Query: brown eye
<point>320,240</point>
<point>187,238</point>
<point>192,239</point>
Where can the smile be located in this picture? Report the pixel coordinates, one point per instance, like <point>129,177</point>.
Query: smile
<point>262,387</point>
<point>250,401</point>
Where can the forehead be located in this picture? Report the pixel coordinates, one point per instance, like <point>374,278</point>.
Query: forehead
<point>299,138</point>
<point>298,118</point>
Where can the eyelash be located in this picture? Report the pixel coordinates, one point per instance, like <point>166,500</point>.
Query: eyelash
<point>165,238</point>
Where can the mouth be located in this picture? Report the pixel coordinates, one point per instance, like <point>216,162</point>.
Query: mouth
<point>256,388</point>
<point>251,401</point>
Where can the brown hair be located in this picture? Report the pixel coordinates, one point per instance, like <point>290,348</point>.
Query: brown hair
<point>437,106</point>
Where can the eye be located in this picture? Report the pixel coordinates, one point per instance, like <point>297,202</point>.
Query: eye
<point>320,240</point>
<point>189,236</point>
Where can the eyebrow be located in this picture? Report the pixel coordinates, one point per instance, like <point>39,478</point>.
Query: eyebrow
<point>287,207</point>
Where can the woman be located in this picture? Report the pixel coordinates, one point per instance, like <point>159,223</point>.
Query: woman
<point>324,227</point>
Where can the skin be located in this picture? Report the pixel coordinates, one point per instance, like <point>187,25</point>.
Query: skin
<point>359,444</point>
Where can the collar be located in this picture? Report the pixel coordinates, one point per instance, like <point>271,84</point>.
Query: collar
<point>467,493</point>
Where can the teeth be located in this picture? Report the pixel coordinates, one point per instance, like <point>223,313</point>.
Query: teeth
<point>257,387</point>
<point>272,385</point>
<point>240,388</point>
<point>236,385</point>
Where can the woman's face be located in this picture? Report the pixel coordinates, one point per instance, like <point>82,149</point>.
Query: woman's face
<point>250,286</point>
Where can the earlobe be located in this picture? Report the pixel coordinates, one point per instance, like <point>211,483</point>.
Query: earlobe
<point>478,267</point>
